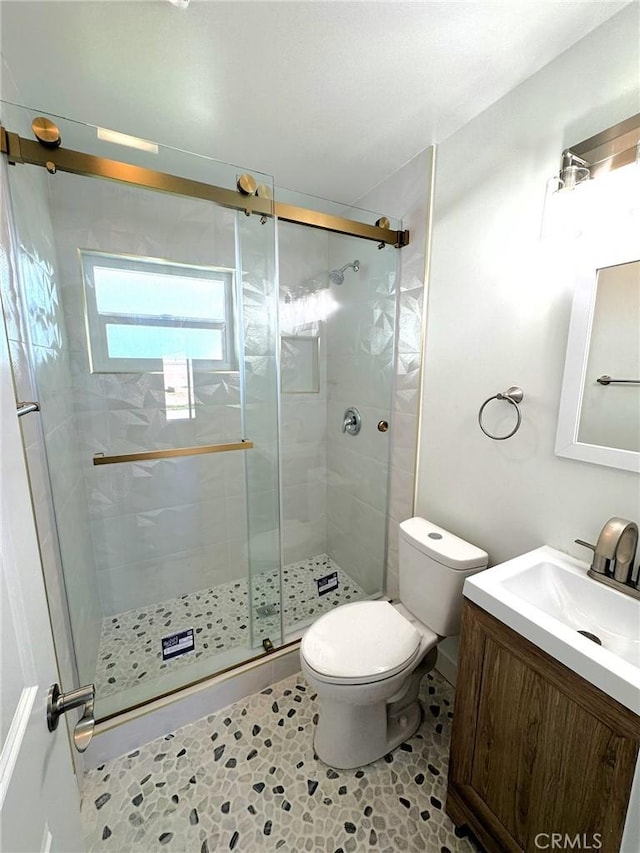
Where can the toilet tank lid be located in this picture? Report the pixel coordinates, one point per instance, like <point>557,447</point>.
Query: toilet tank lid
<point>442,546</point>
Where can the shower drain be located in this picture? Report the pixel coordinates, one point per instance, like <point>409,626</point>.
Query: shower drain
<point>266,610</point>
<point>591,636</point>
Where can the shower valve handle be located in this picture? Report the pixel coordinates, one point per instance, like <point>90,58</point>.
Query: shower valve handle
<point>351,421</point>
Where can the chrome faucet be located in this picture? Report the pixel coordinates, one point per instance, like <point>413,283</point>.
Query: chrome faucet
<point>613,556</point>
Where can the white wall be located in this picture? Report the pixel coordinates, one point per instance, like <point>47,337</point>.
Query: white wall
<point>498,312</point>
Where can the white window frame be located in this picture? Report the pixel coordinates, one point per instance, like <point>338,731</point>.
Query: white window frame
<point>96,323</point>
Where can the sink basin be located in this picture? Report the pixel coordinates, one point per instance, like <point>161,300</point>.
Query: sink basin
<point>547,597</point>
<point>568,595</point>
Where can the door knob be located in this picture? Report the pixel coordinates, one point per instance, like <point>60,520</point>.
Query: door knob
<point>59,703</point>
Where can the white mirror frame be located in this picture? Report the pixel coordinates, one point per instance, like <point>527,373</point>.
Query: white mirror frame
<point>625,250</point>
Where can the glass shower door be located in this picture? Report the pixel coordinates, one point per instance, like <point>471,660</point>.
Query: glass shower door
<point>146,323</point>
<point>260,360</point>
<point>338,319</point>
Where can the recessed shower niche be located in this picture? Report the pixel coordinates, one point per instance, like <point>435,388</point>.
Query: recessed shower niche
<point>299,364</point>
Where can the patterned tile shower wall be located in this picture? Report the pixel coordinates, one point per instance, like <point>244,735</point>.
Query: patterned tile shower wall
<point>360,373</point>
<point>406,194</point>
<point>303,267</point>
<point>369,481</point>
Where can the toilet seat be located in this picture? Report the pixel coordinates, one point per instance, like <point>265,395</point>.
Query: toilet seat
<point>360,643</point>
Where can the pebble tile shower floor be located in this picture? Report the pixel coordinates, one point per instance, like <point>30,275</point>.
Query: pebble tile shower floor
<point>130,648</point>
<point>246,779</point>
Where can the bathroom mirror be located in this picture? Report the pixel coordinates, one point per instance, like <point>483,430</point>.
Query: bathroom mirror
<point>599,421</point>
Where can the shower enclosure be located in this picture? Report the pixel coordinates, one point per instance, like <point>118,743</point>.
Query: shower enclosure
<point>199,493</point>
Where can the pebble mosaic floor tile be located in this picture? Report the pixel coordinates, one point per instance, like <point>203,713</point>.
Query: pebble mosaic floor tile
<point>130,644</point>
<point>246,779</point>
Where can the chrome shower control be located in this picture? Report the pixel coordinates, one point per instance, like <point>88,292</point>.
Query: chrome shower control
<point>351,421</point>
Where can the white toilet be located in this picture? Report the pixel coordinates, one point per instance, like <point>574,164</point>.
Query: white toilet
<point>366,660</point>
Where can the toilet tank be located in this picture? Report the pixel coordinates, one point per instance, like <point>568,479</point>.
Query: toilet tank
<point>433,565</point>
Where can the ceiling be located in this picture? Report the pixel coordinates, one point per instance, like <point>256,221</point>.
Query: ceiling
<point>328,97</point>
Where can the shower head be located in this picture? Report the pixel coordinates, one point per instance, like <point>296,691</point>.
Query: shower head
<point>337,276</point>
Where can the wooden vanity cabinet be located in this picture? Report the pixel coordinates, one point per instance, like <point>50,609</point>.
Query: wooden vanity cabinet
<point>535,749</point>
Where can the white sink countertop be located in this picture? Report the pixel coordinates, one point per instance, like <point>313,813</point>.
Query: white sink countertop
<point>547,597</point>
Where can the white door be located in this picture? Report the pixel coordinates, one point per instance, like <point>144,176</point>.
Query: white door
<point>39,800</point>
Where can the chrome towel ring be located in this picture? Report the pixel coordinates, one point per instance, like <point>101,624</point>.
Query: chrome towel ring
<point>513,395</point>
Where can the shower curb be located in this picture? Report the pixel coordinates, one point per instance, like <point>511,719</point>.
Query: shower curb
<point>129,730</point>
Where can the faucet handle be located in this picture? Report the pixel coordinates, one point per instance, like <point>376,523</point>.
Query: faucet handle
<point>599,564</point>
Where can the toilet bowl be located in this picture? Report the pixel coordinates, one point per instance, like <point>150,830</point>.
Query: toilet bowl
<point>365,660</point>
<point>359,661</point>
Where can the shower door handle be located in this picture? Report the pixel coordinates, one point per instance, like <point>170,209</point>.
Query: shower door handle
<point>59,703</point>
<point>25,408</point>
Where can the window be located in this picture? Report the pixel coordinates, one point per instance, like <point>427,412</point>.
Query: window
<point>143,313</point>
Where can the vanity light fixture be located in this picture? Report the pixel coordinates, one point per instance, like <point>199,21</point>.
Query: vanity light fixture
<point>612,148</point>
<point>574,171</point>
<point>124,139</point>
